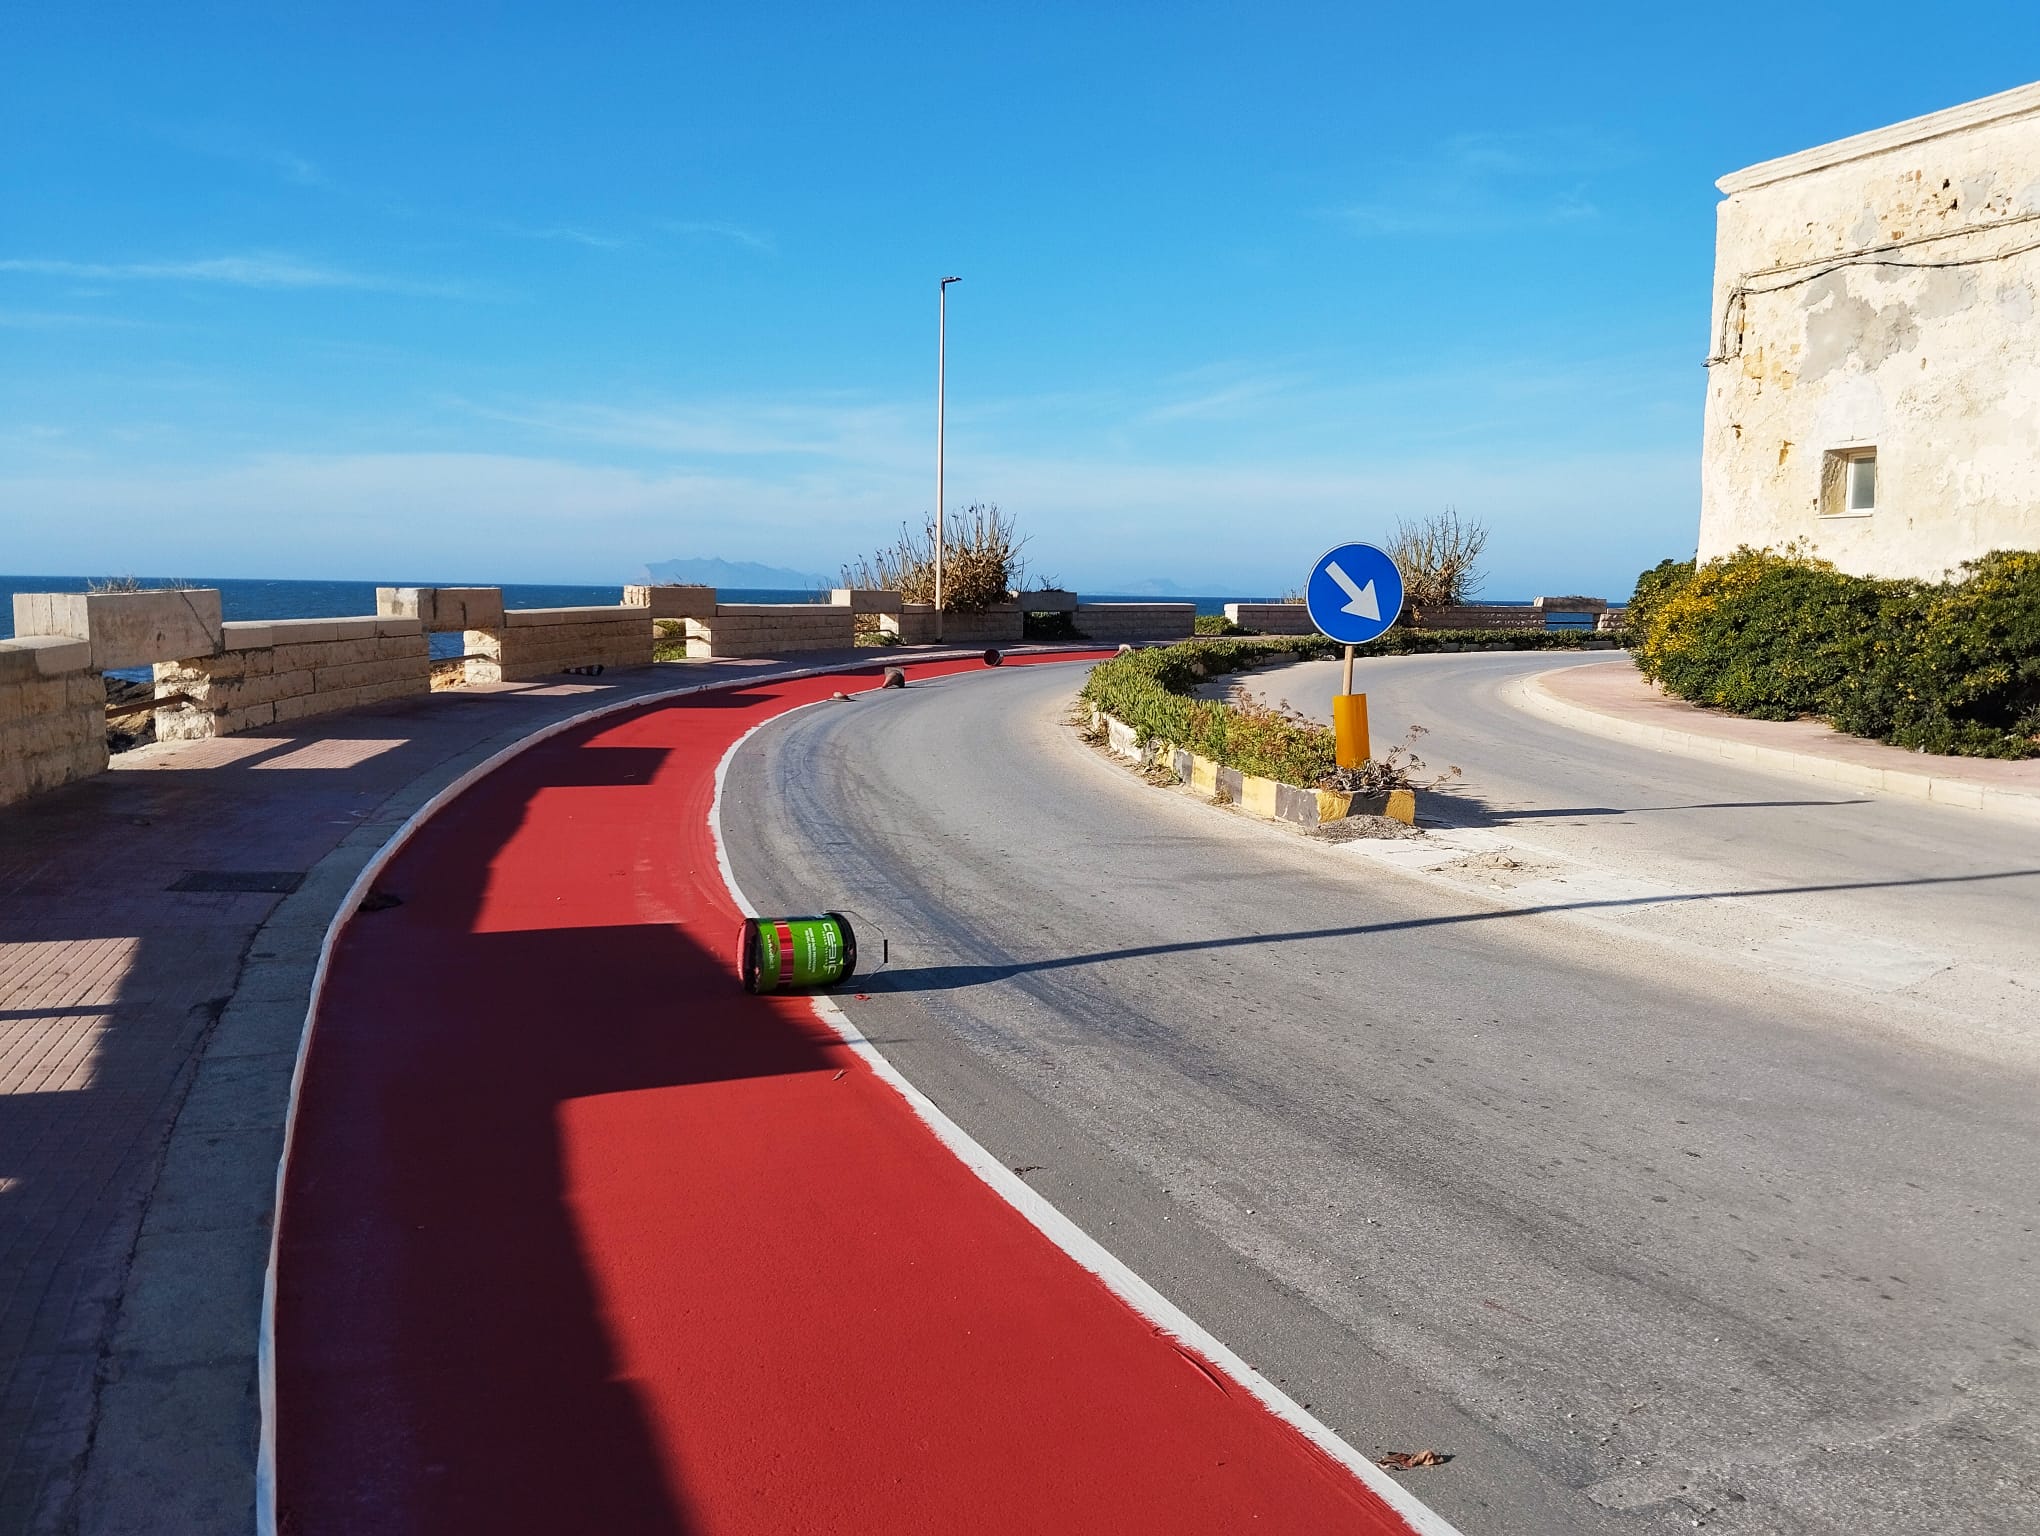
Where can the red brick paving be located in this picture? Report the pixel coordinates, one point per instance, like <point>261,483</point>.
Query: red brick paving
<point>110,982</point>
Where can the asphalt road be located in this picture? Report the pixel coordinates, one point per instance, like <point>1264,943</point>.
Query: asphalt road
<point>1520,1164</point>
<point>1930,911</point>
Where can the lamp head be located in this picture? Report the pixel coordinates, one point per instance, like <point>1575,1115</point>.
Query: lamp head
<point>948,280</point>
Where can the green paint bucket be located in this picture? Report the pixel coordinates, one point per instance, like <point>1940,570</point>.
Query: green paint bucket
<point>774,953</point>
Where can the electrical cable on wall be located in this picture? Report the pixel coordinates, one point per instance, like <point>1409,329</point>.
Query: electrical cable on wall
<point>1738,296</point>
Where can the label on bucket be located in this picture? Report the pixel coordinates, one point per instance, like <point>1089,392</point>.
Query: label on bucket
<point>796,952</point>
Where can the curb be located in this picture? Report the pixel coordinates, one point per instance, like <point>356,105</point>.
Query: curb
<point>1531,696</point>
<point>1269,799</point>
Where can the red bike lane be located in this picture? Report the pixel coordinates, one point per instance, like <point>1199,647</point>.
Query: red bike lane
<point>576,1235</point>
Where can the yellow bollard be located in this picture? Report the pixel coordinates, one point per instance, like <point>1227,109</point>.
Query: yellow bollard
<point>1349,725</point>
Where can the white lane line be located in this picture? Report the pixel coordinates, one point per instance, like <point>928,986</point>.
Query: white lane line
<point>1072,1239</point>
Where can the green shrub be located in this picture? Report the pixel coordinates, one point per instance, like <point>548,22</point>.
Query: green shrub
<point>1761,633</point>
<point>1149,690</point>
<point>1957,666</point>
<point>1942,667</point>
<point>1652,588</point>
<point>1216,624</point>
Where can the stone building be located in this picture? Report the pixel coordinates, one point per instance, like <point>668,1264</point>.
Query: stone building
<point>1874,370</point>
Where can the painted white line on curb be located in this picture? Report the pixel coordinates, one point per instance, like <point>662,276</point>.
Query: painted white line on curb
<point>265,1343</point>
<point>1072,1239</point>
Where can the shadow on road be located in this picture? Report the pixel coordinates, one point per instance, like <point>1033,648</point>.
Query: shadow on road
<point>938,978</point>
<point>1460,808</point>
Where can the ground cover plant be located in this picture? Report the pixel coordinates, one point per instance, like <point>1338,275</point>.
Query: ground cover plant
<point>1151,691</point>
<point>1951,666</point>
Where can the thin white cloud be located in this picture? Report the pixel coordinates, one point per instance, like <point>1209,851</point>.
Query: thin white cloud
<point>253,270</point>
<point>756,240</point>
<point>850,431</point>
<point>58,320</point>
<point>1240,398</point>
<point>1481,182</point>
<point>569,234</point>
<point>295,168</point>
<point>222,142</point>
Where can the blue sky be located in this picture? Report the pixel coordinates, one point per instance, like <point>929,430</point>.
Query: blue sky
<point>541,293</point>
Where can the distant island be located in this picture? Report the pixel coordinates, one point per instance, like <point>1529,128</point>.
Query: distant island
<point>733,573</point>
<point>1154,586</point>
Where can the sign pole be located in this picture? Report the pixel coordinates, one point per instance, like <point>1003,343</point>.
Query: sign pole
<point>1354,595</point>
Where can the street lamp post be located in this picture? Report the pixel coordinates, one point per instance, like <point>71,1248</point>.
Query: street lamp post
<point>941,368</point>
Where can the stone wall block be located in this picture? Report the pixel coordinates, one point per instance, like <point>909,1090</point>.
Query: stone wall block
<point>1272,618</point>
<point>468,608</point>
<point>35,656</point>
<point>675,602</point>
<point>126,629</point>
<point>289,632</point>
<point>358,674</point>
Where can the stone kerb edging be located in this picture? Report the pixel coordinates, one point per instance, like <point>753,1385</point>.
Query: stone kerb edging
<point>1269,799</point>
<point>1531,695</point>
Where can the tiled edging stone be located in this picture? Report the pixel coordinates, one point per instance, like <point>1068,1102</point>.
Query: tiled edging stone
<point>174,1419</point>
<point>1269,799</point>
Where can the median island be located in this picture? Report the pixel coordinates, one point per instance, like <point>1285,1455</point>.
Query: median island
<point>1267,760</point>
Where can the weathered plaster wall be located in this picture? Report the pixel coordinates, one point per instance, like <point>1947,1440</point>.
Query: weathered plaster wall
<point>1882,291</point>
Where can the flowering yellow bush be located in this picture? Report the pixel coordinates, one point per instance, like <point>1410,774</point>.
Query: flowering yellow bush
<point>1944,667</point>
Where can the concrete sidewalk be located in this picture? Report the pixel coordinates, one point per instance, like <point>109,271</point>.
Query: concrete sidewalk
<point>1616,701</point>
<point>159,927</point>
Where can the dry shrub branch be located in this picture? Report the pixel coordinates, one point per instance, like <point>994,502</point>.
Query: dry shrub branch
<point>981,564</point>
<point>1439,558</point>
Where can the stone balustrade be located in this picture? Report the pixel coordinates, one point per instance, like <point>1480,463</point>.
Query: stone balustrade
<point>275,671</point>
<point>213,678</point>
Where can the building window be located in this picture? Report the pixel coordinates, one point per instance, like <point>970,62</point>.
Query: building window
<point>1849,483</point>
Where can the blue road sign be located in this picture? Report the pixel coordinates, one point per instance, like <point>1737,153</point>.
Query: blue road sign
<point>1354,593</point>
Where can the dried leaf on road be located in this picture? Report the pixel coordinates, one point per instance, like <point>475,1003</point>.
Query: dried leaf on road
<point>1402,1461</point>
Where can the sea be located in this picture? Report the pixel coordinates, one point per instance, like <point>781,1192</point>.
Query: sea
<point>248,599</point>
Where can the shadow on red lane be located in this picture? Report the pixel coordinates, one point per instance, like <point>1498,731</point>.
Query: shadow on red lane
<point>443,1365</point>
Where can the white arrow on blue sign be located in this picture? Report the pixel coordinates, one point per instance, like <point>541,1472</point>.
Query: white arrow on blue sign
<point>1354,594</point>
